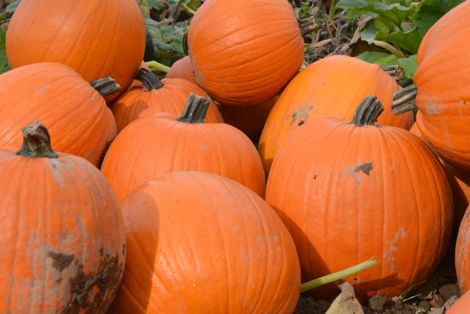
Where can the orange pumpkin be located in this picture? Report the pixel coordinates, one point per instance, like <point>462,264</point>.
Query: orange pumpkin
<point>331,87</point>
<point>351,191</point>
<point>441,80</point>
<point>154,145</point>
<point>147,95</point>
<point>97,38</point>
<point>62,243</point>
<point>201,243</point>
<point>240,62</point>
<point>182,69</point>
<point>76,114</point>
<point>248,119</point>
<point>462,251</point>
<point>461,306</point>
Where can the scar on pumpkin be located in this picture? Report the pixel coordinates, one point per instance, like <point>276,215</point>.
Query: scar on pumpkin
<point>300,114</point>
<point>365,168</point>
<point>60,261</point>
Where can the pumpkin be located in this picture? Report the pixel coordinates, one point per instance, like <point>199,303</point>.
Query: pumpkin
<point>348,192</point>
<point>182,68</point>
<point>75,113</point>
<point>441,94</point>
<point>154,145</point>
<point>249,119</point>
<point>101,38</point>
<point>462,251</point>
<point>244,52</point>
<point>148,95</point>
<point>461,306</point>
<point>331,87</point>
<point>201,243</point>
<point>62,243</point>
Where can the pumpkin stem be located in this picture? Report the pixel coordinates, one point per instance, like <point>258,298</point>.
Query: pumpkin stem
<point>195,109</point>
<point>394,71</point>
<point>368,111</point>
<point>405,99</point>
<point>157,66</point>
<point>36,142</point>
<point>149,79</point>
<point>318,282</point>
<point>105,86</point>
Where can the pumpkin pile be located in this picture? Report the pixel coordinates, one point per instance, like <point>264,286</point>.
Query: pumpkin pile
<point>223,186</point>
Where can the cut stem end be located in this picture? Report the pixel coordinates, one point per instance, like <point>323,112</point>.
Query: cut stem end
<point>405,100</point>
<point>36,142</point>
<point>195,109</point>
<point>368,111</point>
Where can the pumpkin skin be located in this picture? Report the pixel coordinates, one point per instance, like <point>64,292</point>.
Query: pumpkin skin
<point>62,236</point>
<point>158,144</point>
<point>182,69</point>
<point>462,265</point>
<point>139,101</point>
<point>443,115</point>
<point>348,193</point>
<point>211,242</point>
<point>88,44</point>
<point>78,119</point>
<point>241,63</point>
<point>461,306</point>
<point>314,94</point>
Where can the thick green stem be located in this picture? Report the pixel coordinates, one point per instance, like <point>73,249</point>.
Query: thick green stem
<point>149,79</point>
<point>195,109</point>
<point>390,48</point>
<point>36,142</point>
<point>157,67</point>
<point>368,111</point>
<point>405,99</point>
<point>105,86</point>
<point>188,9</point>
<point>315,283</point>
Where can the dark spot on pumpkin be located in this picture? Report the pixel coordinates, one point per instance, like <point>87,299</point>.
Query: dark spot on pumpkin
<point>60,261</point>
<point>300,114</point>
<point>314,177</point>
<point>124,250</point>
<point>365,168</point>
<point>58,281</point>
<point>300,122</point>
<point>92,292</point>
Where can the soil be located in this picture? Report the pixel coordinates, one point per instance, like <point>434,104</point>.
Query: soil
<point>436,295</point>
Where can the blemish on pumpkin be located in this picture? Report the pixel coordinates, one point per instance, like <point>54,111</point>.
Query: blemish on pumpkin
<point>433,109</point>
<point>60,261</point>
<point>300,114</point>
<point>365,168</point>
<point>90,292</point>
<point>392,247</point>
<point>356,170</point>
<point>53,166</point>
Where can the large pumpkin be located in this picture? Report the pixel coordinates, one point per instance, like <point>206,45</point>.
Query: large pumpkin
<point>331,87</point>
<point>245,51</point>
<point>148,95</point>
<point>97,38</point>
<point>62,241</point>
<point>201,243</point>
<point>76,114</point>
<point>351,191</point>
<point>462,253</point>
<point>442,82</point>
<point>154,145</point>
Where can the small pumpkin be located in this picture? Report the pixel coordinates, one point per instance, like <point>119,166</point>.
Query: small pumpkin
<point>101,38</point>
<point>182,68</point>
<point>441,94</point>
<point>148,95</point>
<point>201,243</point>
<point>331,87</point>
<point>74,111</point>
<point>62,240</point>
<point>240,62</point>
<point>158,144</point>
<point>462,252</point>
<point>351,191</point>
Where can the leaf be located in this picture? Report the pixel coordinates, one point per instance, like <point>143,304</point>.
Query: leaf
<point>408,65</point>
<point>12,6</point>
<point>3,55</point>
<point>408,41</point>
<point>431,11</point>
<point>345,302</point>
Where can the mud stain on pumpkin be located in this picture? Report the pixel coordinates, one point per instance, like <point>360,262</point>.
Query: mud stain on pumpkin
<point>300,115</point>
<point>392,247</point>
<point>60,261</point>
<point>433,109</point>
<point>54,167</point>
<point>356,171</point>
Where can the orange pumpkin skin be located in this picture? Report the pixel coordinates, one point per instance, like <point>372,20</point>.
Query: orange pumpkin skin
<point>461,306</point>
<point>154,145</point>
<point>239,62</point>
<point>443,97</point>
<point>102,38</point>
<point>182,69</point>
<point>349,193</point>
<point>138,102</point>
<point>62,244</point>
<point>201,243</point>
<point>250,119</point>
<point>78,119</point>
<point>314,93</point>
<point>462,251</point>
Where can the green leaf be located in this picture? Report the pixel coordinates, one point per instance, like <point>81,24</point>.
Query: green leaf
<point>408,41</point>
<point>380,58</point>
<point>408,65</point>
<point>431,11</point>
<point>3,55</point>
